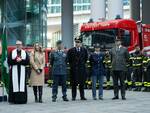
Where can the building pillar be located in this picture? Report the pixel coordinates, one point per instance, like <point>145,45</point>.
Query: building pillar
<point>98,10</point>
<point>135,10</point>
<point>145,11</point>
<point>115,7</point>
<point>67,23</point>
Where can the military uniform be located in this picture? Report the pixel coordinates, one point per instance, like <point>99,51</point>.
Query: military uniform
<point>98,72</point>
<point>77,58</point>
<point>59,72</point>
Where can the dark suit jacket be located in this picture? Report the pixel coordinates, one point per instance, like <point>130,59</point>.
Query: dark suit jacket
<point>77,61</point>
<point>119,58</point>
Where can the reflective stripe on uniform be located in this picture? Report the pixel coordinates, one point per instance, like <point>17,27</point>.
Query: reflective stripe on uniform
<point>135,65</point>
<point>130,83</point>
<point>138,83</point>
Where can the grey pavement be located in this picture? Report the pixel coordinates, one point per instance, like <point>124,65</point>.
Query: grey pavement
<point>137,102</point>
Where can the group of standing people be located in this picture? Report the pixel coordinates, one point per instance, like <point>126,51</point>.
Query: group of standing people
<point>18,59</point>
<point>77,58</point>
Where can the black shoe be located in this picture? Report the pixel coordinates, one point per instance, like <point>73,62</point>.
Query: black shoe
<point>123,98</point>
<point>83,98</point>
<point>136,89</point>
<point>130,89</point>
<point>40,99</point>
<point>65,99</point>
<point>144,90</point>
<point>94,98</point>
<point>36,99</point>
<point>53,99</point>
<point>115,98</point>
<point>139,89</point>
<point>73,99</point>
<point>101,98</point>
<point>148,89</point>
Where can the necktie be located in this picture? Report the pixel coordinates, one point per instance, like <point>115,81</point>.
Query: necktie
<point>78,49</point>
<point>117,49</point>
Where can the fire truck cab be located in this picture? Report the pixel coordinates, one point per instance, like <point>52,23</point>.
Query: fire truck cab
<point>106,32</point>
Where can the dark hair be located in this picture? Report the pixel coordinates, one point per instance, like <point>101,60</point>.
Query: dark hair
<point>58,42</point>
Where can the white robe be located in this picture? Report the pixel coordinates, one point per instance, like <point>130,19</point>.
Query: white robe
<point>16,86</point>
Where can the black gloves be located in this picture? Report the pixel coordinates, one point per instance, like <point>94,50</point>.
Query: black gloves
<point>39,71</point>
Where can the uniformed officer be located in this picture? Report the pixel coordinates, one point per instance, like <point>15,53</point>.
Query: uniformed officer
<point>98,71</point>
<point>137,60</point>
<point>59,71</point>
<point>77,57</point>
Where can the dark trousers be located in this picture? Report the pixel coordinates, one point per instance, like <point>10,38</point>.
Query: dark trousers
<point>138,76</point>
<point>128,74</point>
<point>56,80</point>
<point>147,77</point>
<point>119,76</point>
<point>74,90</point>
<point>108,74</point>
<point>39,90</point>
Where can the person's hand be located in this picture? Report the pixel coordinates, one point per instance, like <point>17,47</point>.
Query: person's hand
<point>19,59</point>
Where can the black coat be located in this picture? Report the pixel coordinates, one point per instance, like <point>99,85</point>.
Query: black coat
<point>77,61</point>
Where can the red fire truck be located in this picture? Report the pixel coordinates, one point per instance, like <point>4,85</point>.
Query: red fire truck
<point>106,32</point>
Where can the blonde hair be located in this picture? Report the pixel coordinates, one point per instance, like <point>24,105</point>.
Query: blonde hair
<point>40,47</point>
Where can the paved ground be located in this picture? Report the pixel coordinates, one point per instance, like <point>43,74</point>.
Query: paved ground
<point>137,102</point>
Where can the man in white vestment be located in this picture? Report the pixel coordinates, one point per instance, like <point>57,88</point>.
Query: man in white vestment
<point>17,60</point>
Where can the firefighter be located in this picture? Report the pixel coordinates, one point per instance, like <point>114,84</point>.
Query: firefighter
<point>148,74</point>
<point>137,61</point>
<point>146,69</point>
<point>129,74</point>
<point>107,62</point>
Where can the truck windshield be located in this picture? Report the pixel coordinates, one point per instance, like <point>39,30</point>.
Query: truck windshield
<point>106,38</point>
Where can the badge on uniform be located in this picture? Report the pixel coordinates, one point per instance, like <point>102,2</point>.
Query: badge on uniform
<point>64,54</point>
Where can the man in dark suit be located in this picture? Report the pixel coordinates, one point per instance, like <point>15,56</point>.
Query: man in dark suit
<point>77,57</point>
<point>119,58</point>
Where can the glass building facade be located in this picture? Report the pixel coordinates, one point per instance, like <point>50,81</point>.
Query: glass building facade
<point>36,25</point>
<point>25,20</point>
